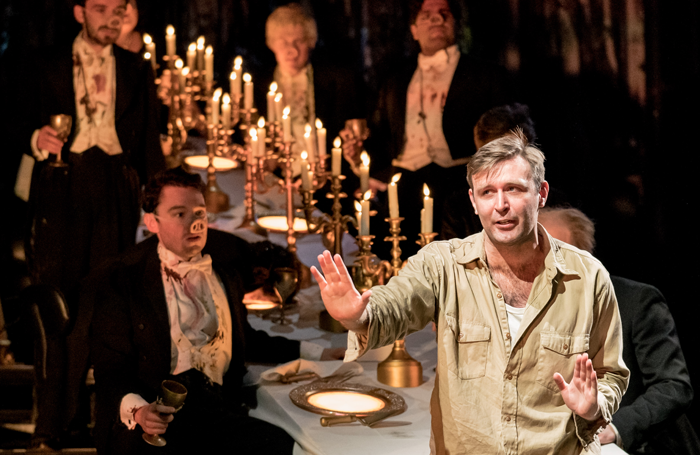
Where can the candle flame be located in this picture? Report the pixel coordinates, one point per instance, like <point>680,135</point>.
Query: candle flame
<point>395,179</point>
<point>170,30</point>
<point>237,62</point>
<point>304,155</point>
<point>278,98</point>
<point>217,94</point>
<point>192,47</point>
<point>254,134</point>
<point>200,41</point>
<point>233,76</point>
<point>147,38</point>
<point>210,50</point>
<point>273,87</point>
<point>261,122</point>
<point>285,112</point>
<point>227,99</point>
<point>147,56</point>
<point>319,124</point>
<point>337,142</point>
<point>200,46</point>
<point>307,130</point>
<point>368,195</point>
<point>426,190</point>
<point>365,158</point>
<point>179,64</point>
<point>247,78</point>
<point>186,71</point>
<point>358,206</point>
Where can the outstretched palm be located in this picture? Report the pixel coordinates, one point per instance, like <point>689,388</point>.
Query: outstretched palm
<point>581,394</point>
<point>339,294</point>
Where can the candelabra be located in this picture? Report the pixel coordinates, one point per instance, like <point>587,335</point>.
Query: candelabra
<point>395,238</point>
<point>368,269</point>
<point>425,238</point>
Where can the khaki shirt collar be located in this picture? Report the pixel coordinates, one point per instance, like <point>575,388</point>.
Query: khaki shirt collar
<point>472,249</point>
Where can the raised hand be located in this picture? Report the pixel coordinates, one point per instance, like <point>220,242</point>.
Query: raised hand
<point>581,394</point>
<point>154,418</point>
<point>352,147</point>
<point>339,294</point>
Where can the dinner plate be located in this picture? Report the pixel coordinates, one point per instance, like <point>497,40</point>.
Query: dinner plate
<point>343,399</point>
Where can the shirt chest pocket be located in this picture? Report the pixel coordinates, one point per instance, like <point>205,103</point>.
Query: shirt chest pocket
<point>470,348</point>
<point>558,352</point>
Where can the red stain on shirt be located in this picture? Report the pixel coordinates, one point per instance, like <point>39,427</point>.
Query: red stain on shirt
<point>100,82</point>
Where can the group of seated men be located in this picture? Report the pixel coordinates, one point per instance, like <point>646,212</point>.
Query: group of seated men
<point>530,348</point>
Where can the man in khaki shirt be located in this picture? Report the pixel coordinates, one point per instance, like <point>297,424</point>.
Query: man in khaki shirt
<point>529,335</point>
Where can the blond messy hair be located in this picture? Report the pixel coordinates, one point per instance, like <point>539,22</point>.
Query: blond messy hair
<point>291,14</point>
<point>508,147</point>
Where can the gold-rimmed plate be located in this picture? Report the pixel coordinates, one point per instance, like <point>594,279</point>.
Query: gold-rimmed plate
<point>346,399</point>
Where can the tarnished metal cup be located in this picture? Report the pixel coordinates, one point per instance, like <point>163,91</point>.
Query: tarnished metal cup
<point>61,123</point>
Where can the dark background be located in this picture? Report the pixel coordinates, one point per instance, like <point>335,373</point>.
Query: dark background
<point>616,118</point>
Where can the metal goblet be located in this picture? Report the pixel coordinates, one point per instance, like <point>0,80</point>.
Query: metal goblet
<point>174,395</point>
<point>286,279</point>
<point>358,127</point>
<point>61,123</point>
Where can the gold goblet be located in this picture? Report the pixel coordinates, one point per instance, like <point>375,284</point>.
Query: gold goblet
<point>285,284</point>
<point>61,123</point>
<point>174,395</point>
<point>358,128</point>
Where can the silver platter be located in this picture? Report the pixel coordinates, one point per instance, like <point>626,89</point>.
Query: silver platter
<point>392,401</point>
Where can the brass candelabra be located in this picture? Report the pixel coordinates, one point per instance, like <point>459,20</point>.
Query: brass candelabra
<point>425,238</point>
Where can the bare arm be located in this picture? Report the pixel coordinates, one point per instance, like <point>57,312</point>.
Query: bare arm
<point>339,294</point>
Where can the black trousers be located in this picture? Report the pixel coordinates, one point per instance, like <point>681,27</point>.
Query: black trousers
<point>209,422</point>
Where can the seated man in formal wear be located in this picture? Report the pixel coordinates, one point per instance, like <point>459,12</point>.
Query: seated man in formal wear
<point>87,211</point>
<point>417,127</point>
<point>651,417</point>
<point>171,308</point>
<point>528,331</point>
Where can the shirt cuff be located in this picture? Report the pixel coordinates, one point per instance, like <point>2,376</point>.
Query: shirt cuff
<point>310,351</point>
<point>586,430</point>
<point>40,155</point>
<point>130,403</point>
<point>618,438</point>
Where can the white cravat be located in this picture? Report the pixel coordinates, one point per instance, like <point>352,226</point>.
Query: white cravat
<point>425,101</point>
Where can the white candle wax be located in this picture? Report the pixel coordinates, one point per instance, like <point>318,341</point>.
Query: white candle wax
<point>336,157</point>
<point>364,221</point>
<point>226,112</point>
<point>321,137</point>
<point>427,215</point>
<point>215,99</point>
<point>200,53</point>
<point>247,92</point>
<point>287,125</point>
<point>306,175</point>
<point>364,172</point>
<point>262,134</point>
<point>170,41</point>
<point>393,200</point>
<point>191,54</point>
<point>209,64</point>
<point>279,107</point>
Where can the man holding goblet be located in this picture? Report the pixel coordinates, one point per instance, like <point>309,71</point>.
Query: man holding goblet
<point>88,210</point>
<point>170,308</point>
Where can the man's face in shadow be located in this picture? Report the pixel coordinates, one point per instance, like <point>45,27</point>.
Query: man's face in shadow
<point>434,28</point>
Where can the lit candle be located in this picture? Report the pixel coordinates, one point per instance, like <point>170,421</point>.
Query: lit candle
<point>262,134</point>
<point>236,81</point>
<point>336,157</point>
<point>394,197</point>
<point>200,53</point>
<point>309,143</point>
<point>253,144</point>
<point>216,97</point>
<point>364,221</point>
<point>364,172</point>
<point>170,41</point>
<point>147,56</point>
<point>150,47</point>
<point>271,102</point>
<point>247,92</point>
<point>427,212</point>
<point>278,107</point>
<point>178,72</point>
<point>183,79</point>
<point>287,125</point>
<point>209,64</point>
<point>226,111</point>
<point>358,213</point>
<point>191,54</point>
<point>305,173</point>
<point>321,136</point>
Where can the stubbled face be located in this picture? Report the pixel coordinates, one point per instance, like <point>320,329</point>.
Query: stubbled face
<point>434,28</point>
<point>180,221</point>
<point>291,48</point>
<point>507,202</point>
<point>101,20</point>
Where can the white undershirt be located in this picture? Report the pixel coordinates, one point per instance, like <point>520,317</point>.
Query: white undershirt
<point>515,318</point>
